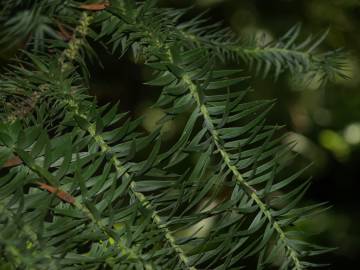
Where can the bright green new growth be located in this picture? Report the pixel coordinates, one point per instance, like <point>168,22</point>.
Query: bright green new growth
<point>112,208</point>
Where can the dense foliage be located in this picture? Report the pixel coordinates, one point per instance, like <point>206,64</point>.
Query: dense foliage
<point>83,187</point>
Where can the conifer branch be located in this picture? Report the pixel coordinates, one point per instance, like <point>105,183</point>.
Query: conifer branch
<point>155,43</point>
<point>119,167</point>
<point>97,213</point>
<point>239,178</point>
<point>301,59</point>
<point>129,253</point>
<point>193,88</point>
<point>70,55</point>
<point>66,59</point>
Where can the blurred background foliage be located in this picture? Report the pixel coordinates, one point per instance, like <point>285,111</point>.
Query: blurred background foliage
<point>325,122</point>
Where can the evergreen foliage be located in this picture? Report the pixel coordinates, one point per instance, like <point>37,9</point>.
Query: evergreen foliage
<point>76,191</point>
